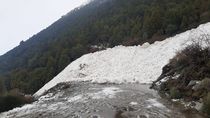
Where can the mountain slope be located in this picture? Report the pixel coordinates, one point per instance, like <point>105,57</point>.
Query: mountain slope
<point>138,64</point>
<point>68,96</point>
<point>93,27</point>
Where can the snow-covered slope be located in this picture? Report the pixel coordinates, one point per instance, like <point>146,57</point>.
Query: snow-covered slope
<point>138,64</point>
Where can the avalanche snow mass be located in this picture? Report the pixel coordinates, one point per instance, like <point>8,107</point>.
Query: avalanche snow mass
<point>134,64</point>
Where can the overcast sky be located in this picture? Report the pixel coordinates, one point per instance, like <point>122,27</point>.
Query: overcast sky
<point>21,19</point>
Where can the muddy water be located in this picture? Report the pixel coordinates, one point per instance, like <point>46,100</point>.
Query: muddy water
<point>87,100</point>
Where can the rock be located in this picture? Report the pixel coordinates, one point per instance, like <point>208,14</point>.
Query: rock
<point>197,86</point>
<point>198,105</point>
<point>192,83</point>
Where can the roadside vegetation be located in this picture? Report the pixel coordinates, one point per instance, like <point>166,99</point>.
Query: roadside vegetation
<point>187,76</point>
<point>13,99</point>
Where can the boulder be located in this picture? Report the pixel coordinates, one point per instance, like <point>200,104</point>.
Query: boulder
<point>192,83</point>
<point>197,86</point>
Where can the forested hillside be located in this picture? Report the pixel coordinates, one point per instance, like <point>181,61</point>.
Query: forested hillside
<point>95,26</point>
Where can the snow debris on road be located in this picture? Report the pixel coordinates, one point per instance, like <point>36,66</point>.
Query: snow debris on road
<point>135,64</point>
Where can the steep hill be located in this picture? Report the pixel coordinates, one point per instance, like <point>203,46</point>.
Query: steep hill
<point>95,26</point>
<point>67,95</point>
<point>135,64</point>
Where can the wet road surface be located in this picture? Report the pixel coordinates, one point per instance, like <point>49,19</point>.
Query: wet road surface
<point>88,100</point>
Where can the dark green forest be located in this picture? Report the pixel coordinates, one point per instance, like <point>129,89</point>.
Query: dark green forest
<point>92,27</point>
